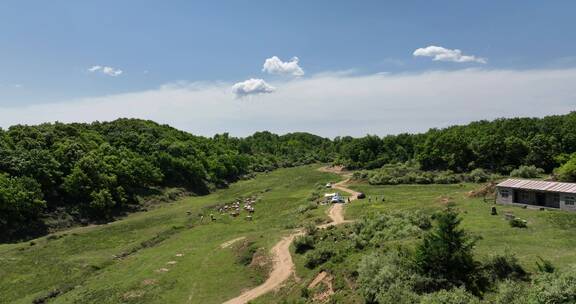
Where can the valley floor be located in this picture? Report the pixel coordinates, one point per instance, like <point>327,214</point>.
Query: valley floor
<point>168,255</point>
<point>165,255</point>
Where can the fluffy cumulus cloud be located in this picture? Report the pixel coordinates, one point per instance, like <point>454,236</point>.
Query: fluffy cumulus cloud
<point>443,54</point>
<point>274,65</point>
<point>328,104</point>
<point>106,70</point>
<point>252,87</point>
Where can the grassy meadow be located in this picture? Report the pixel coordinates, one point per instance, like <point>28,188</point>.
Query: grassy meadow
<point>126,261</point>
<point>166,255</point>
<point>549,234</point>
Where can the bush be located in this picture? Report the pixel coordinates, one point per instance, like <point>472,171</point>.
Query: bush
<point>510,292</point>
<point>398,293</point>
<point>306,207</point>
<point>375,230</point>
<point>314,196</point>
<point>387,278</point>
<point>395,174</point>
<point>527,172</point>
<point>518,223</point>
<point>554,288</point>
<point>452,296</point>
<point>446,177</point>
<point>478,176</point>
<point>310,229</point>
<point>303,244</point>
<point>305,292</point>
<point>502,267</point>
<point>245,252</point>
<point>545,266</point>
<point>318,257</point>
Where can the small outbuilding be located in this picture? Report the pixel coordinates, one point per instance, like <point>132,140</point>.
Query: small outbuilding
<point>537,193</point>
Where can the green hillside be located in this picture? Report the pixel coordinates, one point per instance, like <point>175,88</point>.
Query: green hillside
<point>80,263</point>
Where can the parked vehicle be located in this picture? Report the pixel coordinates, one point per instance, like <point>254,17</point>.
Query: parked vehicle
<point>337,199</point>
<point>361,195</point>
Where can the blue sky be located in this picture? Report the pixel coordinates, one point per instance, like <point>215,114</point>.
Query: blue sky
<point>47,48</point>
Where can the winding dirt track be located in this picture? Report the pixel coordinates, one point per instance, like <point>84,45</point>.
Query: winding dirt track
<point>283,266</point>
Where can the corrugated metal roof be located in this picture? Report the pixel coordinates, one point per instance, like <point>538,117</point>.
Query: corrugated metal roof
<point>538,185</point>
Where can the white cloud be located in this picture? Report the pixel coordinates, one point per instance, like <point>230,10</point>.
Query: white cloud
<point>106,70</point>
<point>329,105</point>
<point>252,87</point>
<point>274,65</point>
<point>443,54</point>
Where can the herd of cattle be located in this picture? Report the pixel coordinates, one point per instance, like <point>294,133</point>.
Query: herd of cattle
<point>234,208</point>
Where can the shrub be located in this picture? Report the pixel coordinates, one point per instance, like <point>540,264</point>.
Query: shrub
<point>394,174</point>
<point>377,229</point>
<point>359,175</point>
<point>398,293</point>
<point>452,296</point>
<point>501,267</point>
<point>303,244</point>
<point>387,278</point>
<point>306,207</point>
<point>446,177</point>
<point>527,172</point>
<point>478,176</point>
<point>305,292</point>
<point>421,220</point>
<point>314,196</point>
<point>518,223</point>
<point>245,252</point>
<point>510,292</point>
<point>310,229</point>
<point>318,257</point>
<point>557,288</point>
<point>545,265</point>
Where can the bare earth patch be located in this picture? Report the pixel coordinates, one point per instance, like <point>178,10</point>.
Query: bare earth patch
<point>230,242</point>
<point>325,293</point>
<point>149,282</point>
<point>133,294</point>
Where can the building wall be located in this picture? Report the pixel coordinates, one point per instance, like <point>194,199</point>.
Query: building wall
<point>525,197</point>
<point>553,199</point>
<point>565,201</point>
<point>568,201</point>
<point>501,197</point>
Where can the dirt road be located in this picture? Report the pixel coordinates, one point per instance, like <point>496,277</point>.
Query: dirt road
<point>281,270</point>
<point>283,266</point>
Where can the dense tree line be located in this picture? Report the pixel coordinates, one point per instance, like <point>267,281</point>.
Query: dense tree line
<point>91,172</point>
<point>498,146</point>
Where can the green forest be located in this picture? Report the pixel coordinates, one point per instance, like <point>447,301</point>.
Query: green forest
<point>63,174</point>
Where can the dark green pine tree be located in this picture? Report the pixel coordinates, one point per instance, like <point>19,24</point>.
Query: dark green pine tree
<point>445,254</point>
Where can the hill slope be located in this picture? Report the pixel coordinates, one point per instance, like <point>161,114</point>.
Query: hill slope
<point>132,260</point>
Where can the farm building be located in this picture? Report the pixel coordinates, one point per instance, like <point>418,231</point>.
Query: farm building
<point>537,193</point>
